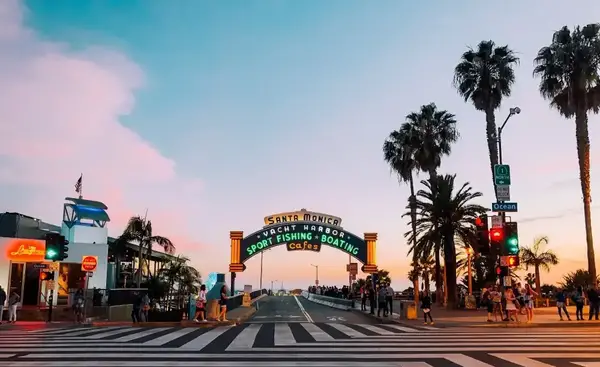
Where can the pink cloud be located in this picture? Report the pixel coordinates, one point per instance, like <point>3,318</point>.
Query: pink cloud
<point>59,117</point>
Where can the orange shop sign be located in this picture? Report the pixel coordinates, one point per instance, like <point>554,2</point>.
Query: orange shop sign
<point>21,249</point>
<point>89,263</point>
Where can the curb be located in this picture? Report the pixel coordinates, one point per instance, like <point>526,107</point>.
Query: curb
<point>240,320</point>
<point>564,324</point>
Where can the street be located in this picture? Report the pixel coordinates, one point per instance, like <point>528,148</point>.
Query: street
<point>298,309</point>
<point>300,344</point>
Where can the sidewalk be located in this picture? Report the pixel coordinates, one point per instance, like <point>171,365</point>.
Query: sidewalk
<point>543,317</point>
<point>234,317</point>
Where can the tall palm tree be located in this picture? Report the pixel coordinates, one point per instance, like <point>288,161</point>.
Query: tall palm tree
<point>536,257</point>
<point>451,214</point>
<point>140,230</point>
<point>398,152</point>
<point>428,135</point>
<point>484,77</point>
<point>427,267</point>
<point>568,69</point>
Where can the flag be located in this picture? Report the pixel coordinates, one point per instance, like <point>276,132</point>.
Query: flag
<point>79,184</point>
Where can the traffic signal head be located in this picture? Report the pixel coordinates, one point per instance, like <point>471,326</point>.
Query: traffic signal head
<point>502,271</point>
<point>496,236</point>
<point>513,261</point>
<point>511,246</point>
<point>46,275</point>
<point>52,252</point>
<point>482,233</point>
<point>64,249</point>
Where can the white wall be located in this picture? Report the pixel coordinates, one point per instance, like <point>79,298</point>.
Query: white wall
<point>78,250</point>
<point>84,234</point>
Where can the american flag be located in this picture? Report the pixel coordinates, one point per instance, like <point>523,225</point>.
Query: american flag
<point>79,184</point>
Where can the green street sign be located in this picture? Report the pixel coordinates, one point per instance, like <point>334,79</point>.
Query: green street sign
<point>502,174</point>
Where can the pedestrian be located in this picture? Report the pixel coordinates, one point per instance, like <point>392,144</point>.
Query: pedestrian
<point>529,297</point>
<point>389,298</point>
<point>486,300</point>
<point>371,299</point>
<point>78,304</point>
<point>511,307</point>
<point>579,299</point>
<point>223,304</point>
<point>363,298</point>
<point>145,307</point>
<point>201,305</point>
<point>594,299</point>
<point>13,302</point>
<point>381,304</point>
<point>426,307</point>
<point>2,301</point>
<point>497,302</point>
<point>136,306</point>
<point>561,298</point>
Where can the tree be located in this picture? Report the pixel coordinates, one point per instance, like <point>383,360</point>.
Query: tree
<point>535,257</point>
<point>485,76</point>
<point>568,72</point>
<point>531,279</point>
<point>427,269</point>
<point>140,230</point>
<point>578,278</point>
<point>446,213</point>
<point>383,276</point>
<point>426,136</point>
<point>398,152</point>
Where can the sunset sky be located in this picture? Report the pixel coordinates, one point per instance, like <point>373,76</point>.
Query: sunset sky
<point>211,115</point>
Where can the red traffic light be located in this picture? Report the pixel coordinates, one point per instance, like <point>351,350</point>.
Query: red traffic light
<point>43,275</point>
<point>496,234</point>
<point>498,270</point>
<point>478,222</point>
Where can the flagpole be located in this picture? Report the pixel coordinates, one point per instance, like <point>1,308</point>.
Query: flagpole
<point>81,187</point>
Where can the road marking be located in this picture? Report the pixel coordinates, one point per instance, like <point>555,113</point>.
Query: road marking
<point>205,339</point>
<point>16,363</point>
<point>526,359</point>
<point>348,331</point>
<point>283,335</point>
<point>246,338</point>
<point>308,318</point>
<point>316,332</point>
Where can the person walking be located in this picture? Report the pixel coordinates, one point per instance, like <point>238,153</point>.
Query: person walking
<point>201,305</point>
<point>561,298</point>
<point>389,299</point>
<point>579,298</point>
<point>371,294</point>
<point>363,298</point>
<point>381,305</point>
<point>2,302</point>
<point>13,302</point>
<point>223,305</point>
<point>426,307</point>
<point>594,299</point>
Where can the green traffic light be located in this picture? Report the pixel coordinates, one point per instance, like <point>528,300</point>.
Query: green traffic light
<point>51,254</point>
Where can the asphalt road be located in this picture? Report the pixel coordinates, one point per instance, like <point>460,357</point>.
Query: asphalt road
<point>297,344</point>
<point>298,309</point>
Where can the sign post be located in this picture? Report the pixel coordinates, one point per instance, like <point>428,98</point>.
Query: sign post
<point>89,265</point>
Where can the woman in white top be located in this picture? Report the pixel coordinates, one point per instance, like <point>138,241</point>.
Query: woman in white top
<point>529,296</point>
<point>201,305</point>
<point>511,308</point>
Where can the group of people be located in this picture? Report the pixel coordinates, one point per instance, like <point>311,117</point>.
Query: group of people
<point>201,302</point>
<point>506,304</point>
<point>381,298</point>
<point>578,297</point>
<point>331,291</point>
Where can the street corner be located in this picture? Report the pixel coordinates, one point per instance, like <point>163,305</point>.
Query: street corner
<point>242,315</point>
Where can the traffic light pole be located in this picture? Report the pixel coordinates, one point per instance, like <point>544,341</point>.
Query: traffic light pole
<point>512,111</point>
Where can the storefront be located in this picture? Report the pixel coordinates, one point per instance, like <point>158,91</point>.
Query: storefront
<point>20,269</point>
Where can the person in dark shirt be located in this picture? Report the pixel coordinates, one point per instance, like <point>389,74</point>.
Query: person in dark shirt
<point>137,306</point>
<point>561,298</point>
<point>426,307</point>
<point>594,299</point>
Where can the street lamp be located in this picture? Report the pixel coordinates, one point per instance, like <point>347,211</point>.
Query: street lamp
<point>272,281</point>
<point>513,111</point>
<point>469,252</point>
<point>317,274</point>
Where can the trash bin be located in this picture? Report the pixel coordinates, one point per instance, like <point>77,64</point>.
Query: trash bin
<point>409,310</point>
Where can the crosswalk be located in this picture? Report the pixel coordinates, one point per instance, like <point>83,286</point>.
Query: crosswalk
<point>300,344</point>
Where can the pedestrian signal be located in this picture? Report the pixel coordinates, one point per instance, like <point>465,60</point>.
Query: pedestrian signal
<point>513,261</point>
<point>46,275</point>
<point>496,236</point>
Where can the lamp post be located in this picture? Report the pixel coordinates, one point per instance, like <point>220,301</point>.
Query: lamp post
<point>272,281</point>
<point>261,270</point>
<point>469,270</point>
<point>317,274</point>
<point>513,111</point>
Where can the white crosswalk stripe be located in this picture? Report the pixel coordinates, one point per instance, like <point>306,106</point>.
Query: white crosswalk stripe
<point>301,344</point>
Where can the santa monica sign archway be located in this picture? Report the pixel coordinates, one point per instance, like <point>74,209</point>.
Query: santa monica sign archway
<point>301,231</point>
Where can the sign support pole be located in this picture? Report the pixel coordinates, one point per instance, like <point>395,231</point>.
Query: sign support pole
<point>85,295</point>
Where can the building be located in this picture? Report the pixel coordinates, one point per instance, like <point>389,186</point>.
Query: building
<point>22,247</point>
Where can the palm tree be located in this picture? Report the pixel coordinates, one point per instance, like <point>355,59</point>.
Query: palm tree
<point>578,278</point>
<point>569,72</point>
<point>118,248</point>
<point>383,276</point>
<point>398,151</point>
<point>427,269</point>
<point>140,230</point>
<point>426,137</point>
<point>485,76</point>
<point>450,214</point>
<point>537,258</point>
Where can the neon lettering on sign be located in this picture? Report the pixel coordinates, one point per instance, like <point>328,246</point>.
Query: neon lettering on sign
<point>299,233</point>
<point>25,250</point>
<point>303,216</point>
<point>303,246</point>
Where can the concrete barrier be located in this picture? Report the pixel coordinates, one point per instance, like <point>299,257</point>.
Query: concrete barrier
<point>339,303</point>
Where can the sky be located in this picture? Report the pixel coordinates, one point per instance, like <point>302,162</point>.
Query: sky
<point>211,115</point>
